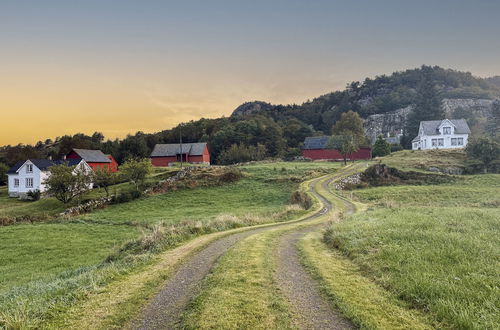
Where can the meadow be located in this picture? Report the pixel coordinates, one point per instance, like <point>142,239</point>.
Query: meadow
<point>61,257</point>
<point>435,247</point>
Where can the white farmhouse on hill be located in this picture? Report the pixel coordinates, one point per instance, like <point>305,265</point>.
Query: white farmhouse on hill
<point>30,175</point>
<point>442,134</point>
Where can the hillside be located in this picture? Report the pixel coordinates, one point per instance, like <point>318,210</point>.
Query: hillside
<point>384,102</point>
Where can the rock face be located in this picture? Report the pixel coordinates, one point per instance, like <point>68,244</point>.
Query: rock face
<point>477,107</point>
<point>392,123</point>
<point>249,108</point>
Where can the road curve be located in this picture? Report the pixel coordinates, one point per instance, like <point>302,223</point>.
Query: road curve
<point>165,310</point>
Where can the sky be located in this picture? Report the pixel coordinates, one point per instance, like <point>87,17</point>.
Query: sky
<point>124,66</point>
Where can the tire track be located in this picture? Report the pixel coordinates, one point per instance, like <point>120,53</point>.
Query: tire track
<point>312,310</point>
<point>165,310</point>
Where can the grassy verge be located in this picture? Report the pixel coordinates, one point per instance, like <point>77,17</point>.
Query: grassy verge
<point>360,299</point>
<point>436,248</point>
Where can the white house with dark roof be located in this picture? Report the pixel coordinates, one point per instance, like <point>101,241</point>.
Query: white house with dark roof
<point>442,134</point>
<point>29,175</point>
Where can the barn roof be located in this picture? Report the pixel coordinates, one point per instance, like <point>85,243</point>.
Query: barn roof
<point>92,156</point>
<point>316,142</point>
<point>166,150</point>
<point>43,164</point>
<point>431,127</point>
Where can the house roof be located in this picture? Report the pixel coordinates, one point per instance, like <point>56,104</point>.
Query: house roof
<point>92,156</point>
<point>16,166</point>
<point>43,164</point>
<point>431,127</point>
<point>166,150</point>
<point>316,142</point>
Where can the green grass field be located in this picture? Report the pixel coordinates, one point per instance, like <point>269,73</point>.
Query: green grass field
<point>264,190</point>
<point>36,251</point>
<point>436,247</point>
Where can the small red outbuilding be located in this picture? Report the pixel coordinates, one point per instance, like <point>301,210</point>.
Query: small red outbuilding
<point>316,148</point>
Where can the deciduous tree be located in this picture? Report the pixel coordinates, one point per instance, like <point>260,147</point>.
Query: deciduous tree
<point>483,149</point>
<point>67,182</point>
<point>104,178</point>
<point>136,171</point>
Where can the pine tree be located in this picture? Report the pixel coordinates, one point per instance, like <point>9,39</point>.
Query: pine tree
<point>427,107</point>
<point>381,147</point>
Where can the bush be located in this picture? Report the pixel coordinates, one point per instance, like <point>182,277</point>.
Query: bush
<point>301,198</point>
<point>396,147</point>
<point>230,175</point>
<point>34,195</point>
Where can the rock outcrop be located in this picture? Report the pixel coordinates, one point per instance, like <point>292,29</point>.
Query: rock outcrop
<point>392,123</point>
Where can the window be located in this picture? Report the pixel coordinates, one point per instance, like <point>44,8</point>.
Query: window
<point>16,182</point>
<point>29,182</point>
<point>454,141</point>
<point>434,142</point>
<point>29,168</point>
<point>460,141</point>
<point>440,142</point>
<point>446,130</point>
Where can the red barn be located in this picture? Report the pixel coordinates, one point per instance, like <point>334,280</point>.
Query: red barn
<point>95,158</point>
<point>315,148</point>
<point>166,154</point>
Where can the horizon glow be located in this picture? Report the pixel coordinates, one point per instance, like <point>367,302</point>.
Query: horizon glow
<point>119,67</point>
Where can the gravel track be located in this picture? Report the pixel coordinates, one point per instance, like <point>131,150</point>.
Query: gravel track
<point>165,310</point>
<point>312,309</point>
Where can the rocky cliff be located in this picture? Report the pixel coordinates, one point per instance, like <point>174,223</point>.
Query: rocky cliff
<point>475,111</point>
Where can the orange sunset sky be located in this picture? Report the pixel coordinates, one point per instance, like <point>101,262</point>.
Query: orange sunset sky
<point>122,66</point>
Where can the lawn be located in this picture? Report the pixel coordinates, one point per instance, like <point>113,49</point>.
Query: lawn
<point>435,247</point>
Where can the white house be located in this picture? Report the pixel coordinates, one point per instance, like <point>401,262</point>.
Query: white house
<point>442,134</point>
<point>30,175</point>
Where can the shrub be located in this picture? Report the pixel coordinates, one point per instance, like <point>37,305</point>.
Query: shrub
<point>301,198</point>
<point>230,175</point>
<point>34,195</point>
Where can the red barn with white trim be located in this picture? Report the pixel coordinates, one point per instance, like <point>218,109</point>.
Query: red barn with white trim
<point>167,154</point>
<point>315,148</point>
